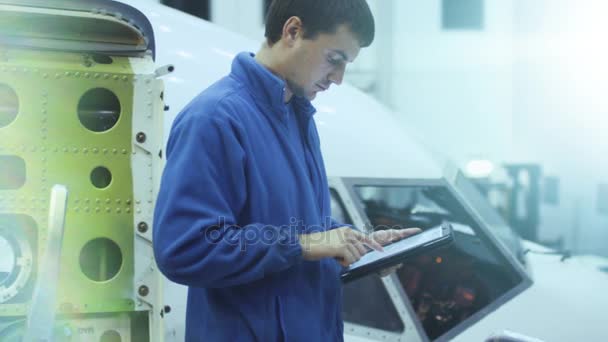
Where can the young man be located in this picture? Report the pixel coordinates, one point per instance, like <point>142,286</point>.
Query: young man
<point>243,213</point>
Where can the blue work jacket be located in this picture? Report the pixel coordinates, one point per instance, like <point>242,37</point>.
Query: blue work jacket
<point>234,197</point>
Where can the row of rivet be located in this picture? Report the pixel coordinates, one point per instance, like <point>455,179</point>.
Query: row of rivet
<point>98,210</point>
<point>74,150</point>
<point>69,74</point>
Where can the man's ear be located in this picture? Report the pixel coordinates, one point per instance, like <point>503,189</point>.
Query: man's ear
<point>292,30</point>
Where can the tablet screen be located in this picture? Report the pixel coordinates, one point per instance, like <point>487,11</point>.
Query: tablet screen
<point>398,247</point>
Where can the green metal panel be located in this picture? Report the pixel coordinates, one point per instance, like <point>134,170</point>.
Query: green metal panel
<point>57,149</point>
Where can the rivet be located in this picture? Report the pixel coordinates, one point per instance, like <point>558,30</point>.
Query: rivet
<point>140,137</point>
<point>142,227</point>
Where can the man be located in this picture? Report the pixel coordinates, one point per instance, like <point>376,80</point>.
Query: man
<point>243,213</point>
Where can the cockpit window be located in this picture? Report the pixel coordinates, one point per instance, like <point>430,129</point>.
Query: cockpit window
<point>447,288</point>
<point>366,301</point>
<point>489,215</point>
<point>338,212</point>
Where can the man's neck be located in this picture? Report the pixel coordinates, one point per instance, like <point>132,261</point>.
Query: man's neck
<point>267,59</point>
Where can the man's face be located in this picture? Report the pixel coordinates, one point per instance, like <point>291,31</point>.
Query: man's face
<point>314,64</point>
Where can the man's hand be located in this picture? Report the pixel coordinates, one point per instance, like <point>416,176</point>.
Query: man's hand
<point>345,244</point>
<point>385,237</point>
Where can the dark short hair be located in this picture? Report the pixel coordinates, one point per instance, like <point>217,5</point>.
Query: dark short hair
<point>322,16</point>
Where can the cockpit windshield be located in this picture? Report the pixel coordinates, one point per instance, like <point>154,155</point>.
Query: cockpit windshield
<point>450,288</point>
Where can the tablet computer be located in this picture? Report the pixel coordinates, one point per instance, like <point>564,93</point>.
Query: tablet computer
<point>398,251</point>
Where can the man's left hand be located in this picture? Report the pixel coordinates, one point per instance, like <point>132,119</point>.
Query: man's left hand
<point>384,237</point>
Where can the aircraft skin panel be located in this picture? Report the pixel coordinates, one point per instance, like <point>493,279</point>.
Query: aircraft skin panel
<point>380,149</point>
<point>567,302</point>
<point>58,149</point>
<point>147,162</point>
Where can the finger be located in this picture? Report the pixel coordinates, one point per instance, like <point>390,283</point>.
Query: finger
<point>347,258</point>
<point>409,232</point>
<point>368,241</point>
<point>398,234</point>
<point>381,236</point>
<point>354,251</point>
<point>360,248</point>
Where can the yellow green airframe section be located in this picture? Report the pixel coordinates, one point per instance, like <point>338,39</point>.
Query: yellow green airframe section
<point>72,84</point>
<point>57,148</point>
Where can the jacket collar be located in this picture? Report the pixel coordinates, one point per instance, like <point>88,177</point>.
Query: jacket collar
<point>266,88</point>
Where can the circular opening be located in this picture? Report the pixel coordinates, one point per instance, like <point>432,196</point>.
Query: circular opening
<point>110,336</point>
<point>9,105</point>
<point>102,59</point>
<point>7,259</point>
<point>101,177</point>
<point>12,172</point>
<point>99,110</point>
<point>100,259</point>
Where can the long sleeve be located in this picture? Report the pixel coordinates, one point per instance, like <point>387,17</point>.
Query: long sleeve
<point>203,188</point>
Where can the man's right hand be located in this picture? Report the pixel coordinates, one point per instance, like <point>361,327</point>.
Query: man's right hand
<point>345,244</point>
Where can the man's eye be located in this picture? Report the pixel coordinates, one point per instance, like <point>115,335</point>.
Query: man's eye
<point>334,61</point>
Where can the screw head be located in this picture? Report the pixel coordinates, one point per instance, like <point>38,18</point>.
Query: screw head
<point>142,227</point>
<point>140,137</point>
<point>143,290</point>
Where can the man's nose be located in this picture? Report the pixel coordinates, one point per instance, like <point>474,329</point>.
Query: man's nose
<point>337,75</point>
